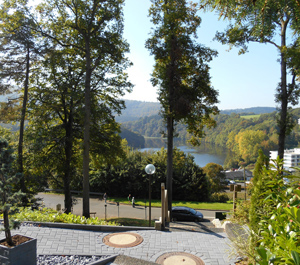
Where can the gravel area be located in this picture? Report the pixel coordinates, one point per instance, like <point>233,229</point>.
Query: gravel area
<point>68,259</point>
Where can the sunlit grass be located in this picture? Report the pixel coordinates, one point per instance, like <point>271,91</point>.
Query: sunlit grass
<point>255,117</point>
<point>196,205</point>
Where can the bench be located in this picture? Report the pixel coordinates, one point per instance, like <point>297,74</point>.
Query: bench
<point>94,213</point>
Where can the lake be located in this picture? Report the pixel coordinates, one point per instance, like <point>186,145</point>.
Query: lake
<point>203,155</point>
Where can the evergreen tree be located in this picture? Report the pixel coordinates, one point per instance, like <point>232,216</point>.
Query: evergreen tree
<point>8,197</point>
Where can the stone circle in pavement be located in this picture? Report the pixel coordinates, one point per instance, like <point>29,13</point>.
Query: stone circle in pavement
<point>122,240</point>
<point>179,258</point>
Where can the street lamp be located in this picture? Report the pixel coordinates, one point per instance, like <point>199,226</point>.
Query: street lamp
<point>150,169</point>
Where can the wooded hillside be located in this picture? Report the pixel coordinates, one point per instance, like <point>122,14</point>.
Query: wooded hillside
<point>239,134</point>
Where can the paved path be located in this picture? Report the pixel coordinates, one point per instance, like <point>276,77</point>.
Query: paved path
<point>96,205</point>
<point>212,248</point>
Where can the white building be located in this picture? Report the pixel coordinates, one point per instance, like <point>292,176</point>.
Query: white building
<point>291,157</point>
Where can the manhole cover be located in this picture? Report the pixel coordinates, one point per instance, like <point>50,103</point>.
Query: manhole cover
<point>122,240</point>
<point>176,258</point>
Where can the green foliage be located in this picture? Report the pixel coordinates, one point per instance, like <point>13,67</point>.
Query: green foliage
<point>260,177</point>
<point>50,215</point>
<point>247,117</point>
<point>276,235</point>
<point>216,176</point>
<point>190,183</point>
<point>241,213</point>
<point>267,22</point>
<point>219,197</point>
<point>9,198</point>
<point>181,70</point>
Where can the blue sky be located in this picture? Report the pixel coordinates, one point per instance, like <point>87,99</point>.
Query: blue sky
<point>242,81</point>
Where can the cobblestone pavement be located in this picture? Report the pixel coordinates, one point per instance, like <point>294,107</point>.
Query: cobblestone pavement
<point>212,247</point>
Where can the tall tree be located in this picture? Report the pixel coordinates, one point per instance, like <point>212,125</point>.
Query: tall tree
<point>55,127</point>
<point>266,21</point>
<point>180,72</point>
<point>94,30</point>
<point>19,47</point>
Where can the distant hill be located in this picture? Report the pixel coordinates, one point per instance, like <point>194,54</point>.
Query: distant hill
<point>138,109</point>
<point>254,110</point>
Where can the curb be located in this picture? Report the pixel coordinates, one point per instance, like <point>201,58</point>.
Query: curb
<point>89,227</point>
<point>104,228</point>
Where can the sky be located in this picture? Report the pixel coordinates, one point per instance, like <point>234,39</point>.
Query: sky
<point>243,81</point>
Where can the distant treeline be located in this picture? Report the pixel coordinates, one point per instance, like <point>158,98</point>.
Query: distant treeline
<point>254,110</point>
<point>140,109</point>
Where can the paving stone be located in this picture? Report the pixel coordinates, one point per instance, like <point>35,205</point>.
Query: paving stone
<point>212,247</point>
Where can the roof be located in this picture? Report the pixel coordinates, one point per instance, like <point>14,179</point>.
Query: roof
<point>238,174</point>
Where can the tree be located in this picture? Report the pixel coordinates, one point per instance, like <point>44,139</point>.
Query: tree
<point>8,196</point>
<point>216,176</point>
<point>249,142</point>
<point>263,21</point>
<point>180,72</point>
<point>94,30</point>
<point>19,48</point>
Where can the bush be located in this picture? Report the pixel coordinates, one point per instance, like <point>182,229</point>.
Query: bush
<point>276,236</point>
<point>219,197</point>
<point>241,214</point>
<point>128,176</point>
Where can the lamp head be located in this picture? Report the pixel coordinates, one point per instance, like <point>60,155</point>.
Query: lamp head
<point>150,169</point>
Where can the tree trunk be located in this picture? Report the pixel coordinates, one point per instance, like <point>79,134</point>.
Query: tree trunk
<point>86,137</point>
<point>170,132</point>
<point>284,96</point>
<point>68,152</point>
<point>6,228</point>
<point>21,130</point>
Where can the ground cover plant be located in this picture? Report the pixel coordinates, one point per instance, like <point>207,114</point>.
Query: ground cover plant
<point>50,215</point>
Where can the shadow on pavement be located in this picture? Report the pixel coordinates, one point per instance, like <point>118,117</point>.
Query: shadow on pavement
<point>201,227</point>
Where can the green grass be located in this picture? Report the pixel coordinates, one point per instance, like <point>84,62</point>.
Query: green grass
<point>248,117</point>
<point>196,205</point>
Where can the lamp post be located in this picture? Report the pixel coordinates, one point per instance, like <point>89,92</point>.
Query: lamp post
<point>150,169</point>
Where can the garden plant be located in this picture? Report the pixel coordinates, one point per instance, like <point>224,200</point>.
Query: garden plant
<point>9,197</point>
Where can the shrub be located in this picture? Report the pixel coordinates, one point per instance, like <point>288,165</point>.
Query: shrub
<point>277,234</point>
<point>8,196</point>
<point>241,214</point>
<point>219,197</point>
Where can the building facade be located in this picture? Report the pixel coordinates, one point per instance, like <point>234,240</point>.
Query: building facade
<point>291,158</point>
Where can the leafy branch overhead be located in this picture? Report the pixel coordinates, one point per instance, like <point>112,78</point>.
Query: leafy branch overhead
<point>268,22</point>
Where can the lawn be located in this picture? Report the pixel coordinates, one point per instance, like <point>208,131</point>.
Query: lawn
<point>196,205</point>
